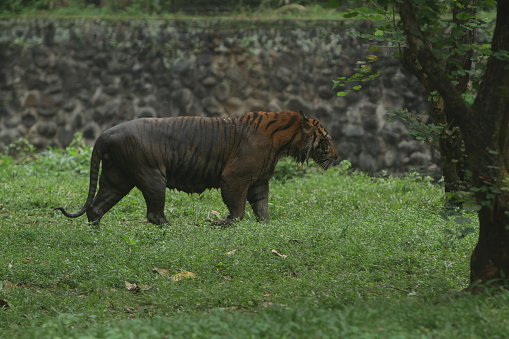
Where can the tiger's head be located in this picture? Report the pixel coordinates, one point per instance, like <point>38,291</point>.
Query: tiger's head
<point>317,144</point>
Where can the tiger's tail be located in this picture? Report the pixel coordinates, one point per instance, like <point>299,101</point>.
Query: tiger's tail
<point>95,161</point>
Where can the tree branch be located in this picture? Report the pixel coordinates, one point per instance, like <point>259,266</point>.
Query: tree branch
<point>409,61</point>
<point>493,95</point>
<point>457,61</point>
<point>436,76</point>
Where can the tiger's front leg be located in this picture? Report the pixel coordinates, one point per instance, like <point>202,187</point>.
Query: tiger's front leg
<point>258,197</point>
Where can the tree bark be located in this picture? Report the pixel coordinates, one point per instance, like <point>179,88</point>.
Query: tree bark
<point>485,128</point>
<point>451,144</point>
<point>488,154</point>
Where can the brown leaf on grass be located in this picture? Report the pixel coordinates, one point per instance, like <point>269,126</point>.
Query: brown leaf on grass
<point>6,284</point>
<point>134,288</point>
<point>231,252</point>
<point>277,254</point>
<point>183,275</point>
<point>129,309</point>
<point>23,284</point>
<point>162,271</point>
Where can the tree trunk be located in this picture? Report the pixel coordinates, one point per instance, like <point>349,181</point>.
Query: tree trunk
<point>485,128</point>
<point>488,159</point>
<point>452,155</point>
<point>451,143</point>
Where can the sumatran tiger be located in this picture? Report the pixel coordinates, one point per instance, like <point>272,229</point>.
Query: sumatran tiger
<point>237,155</point>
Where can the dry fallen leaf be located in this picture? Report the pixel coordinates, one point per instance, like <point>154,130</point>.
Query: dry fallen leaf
<point>215,212</point>
<point>231,252</point>
<point>277,254</point>
<point>162,271</point>
<point>183,275</point>
<point>129,309</point>
<point>133,288</point>
<point>6,284</point>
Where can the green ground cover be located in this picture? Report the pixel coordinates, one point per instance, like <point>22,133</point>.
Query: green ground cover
<point>135,12</point>
<point>358,257</point>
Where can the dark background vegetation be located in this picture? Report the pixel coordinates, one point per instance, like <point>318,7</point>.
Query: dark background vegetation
<point>169,6</point>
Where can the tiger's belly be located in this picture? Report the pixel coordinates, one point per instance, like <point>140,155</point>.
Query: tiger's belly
<point>192,182</point>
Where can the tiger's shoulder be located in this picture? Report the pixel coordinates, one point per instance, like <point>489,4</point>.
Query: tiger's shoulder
<point>264,120</point>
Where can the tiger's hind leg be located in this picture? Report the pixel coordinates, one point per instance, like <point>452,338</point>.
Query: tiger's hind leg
<point>234,196</point>
<point>258,197</point>
<point>113,186</point>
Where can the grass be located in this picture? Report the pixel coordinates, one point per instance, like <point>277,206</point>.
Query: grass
<point>365,258</point>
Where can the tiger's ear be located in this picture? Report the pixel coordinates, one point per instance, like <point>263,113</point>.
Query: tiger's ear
<point>306,126</point>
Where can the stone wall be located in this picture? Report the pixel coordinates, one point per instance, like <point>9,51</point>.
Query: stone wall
<point>59,77</point>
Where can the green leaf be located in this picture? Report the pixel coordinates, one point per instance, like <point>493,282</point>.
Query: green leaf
<point>358,87</point>
<point>462,220</point>
<point>379,32</point>
<point>467,231</point>
<point>463,16</point>
<point>351,14</point>
<point>342,94</point>
<point>472,208</point>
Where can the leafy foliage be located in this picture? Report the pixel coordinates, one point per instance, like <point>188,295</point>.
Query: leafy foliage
<point>75,157</point>
<point>444,35</point>
<point>459,54</point>
<point>420,129</point>
<point>363,73</point>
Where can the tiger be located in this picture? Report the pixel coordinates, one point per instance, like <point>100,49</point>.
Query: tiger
<point>237,155</point>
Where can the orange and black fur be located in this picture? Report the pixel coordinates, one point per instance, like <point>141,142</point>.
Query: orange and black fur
<point>237,155</point>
